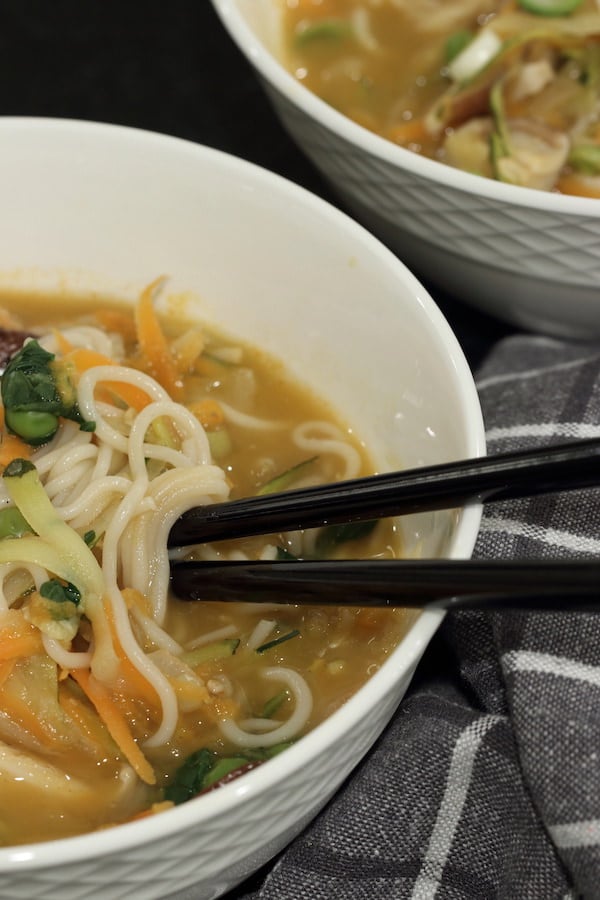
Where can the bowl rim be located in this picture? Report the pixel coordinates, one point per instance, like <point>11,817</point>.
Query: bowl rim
<point>125,836</point>
<point>432,170</point>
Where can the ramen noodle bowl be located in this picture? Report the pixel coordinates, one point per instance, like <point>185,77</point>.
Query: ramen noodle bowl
<point>185,212</point>
<point>513,247</point>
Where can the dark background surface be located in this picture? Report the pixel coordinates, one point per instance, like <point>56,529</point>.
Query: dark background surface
<point>168,67</point>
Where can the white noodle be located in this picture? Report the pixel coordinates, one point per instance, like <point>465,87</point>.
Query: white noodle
<point>320,438</point>
<point>155,633</point>
<point>245,421</point>
<point>68,659</point>
<point>210,636</point>
<point>260,633</point>
<point>303,707</point>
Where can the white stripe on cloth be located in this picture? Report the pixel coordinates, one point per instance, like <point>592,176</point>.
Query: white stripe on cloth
<point>543,430</point>
<point>576,834</point>
<point>451,807</point>
<point>547,664</point>
<point>493,380</point>
<point>550,537</point>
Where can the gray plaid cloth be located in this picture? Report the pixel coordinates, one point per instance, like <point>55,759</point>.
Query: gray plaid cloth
<point>486,784</point>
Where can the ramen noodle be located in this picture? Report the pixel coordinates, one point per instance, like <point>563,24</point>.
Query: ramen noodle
<point>506,89</point>
<point>116,699</point>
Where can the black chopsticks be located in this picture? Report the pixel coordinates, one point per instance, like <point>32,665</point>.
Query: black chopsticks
<point>429,583</point>
<point>561,467</point>
<point>433,583</point>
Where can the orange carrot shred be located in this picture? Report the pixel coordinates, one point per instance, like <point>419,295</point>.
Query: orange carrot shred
<point>153,344</point>
<point>115,723</point>
<point>209,413</point>
<point>83,359</point>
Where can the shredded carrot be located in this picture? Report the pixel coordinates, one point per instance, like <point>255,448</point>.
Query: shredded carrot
<point>153,344</point>
<point>577,186</point>
<point>14,645</point>
<point>6,667</point>
<point>82,360</point>
<point>115,723</point>
<point>137,685</point>
<point>64,346</point>
<point>414,131</point>
<point>117,320</point>
<point>209,413</point>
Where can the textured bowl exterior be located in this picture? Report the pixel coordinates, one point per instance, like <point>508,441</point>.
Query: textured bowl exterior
<point>86,204</point>
<point>528,257</point>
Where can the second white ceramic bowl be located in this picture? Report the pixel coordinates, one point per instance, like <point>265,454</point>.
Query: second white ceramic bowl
<point>526,256</point>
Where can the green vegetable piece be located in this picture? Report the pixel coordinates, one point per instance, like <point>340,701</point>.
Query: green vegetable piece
<point>585,158</point>
<point>90,538</point>
<point>285,479</point>
<point>326,29</point>
<point>204,768</point>
<point>59,592</point>
<point>35,392</point>
<point>223,768</point>
<point>276,641</point>
<point>550,7</point>
<point>220,443</point>
<point>217,650</point>
<point>18,467</point>
<point>189,778</point>
<point>273,704</point>
<point>12,523</point>
<point>33,427</point>
<point>456,43</point>
<point>332,536</point>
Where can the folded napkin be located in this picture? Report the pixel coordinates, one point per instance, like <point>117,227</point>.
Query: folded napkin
<point>486,784</point>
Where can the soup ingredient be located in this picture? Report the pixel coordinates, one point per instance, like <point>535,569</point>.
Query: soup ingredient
<point>550,7</point>
<point>106,681</point>
<point>508,90</point>
<point>36,392</point>
<point>205,769</point>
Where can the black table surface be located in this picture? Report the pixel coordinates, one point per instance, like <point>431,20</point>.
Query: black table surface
<point>167,67</point>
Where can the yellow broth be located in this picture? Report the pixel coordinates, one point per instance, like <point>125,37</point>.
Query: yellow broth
<point>527,113</point>
<point>335,650</point>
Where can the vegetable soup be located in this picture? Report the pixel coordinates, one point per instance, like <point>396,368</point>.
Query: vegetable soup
<point>506,89</point>
<point>118,700</point>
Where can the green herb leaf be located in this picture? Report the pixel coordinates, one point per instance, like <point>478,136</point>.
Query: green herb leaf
<point>326,29</point>
<point>205,767</point>
<point>276,641</point>
<point>189,778</point>
<point>332,536</point>
<point>285,479</point>
<point>35,391</point>
<point>456,43</point>
<point>550,7</point>
<point>60,592</point>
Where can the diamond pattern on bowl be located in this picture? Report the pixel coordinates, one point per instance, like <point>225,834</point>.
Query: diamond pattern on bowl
<point>493,246</point>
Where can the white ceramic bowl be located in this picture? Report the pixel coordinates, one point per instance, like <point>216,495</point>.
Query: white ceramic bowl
<point>91,207</point>
<point>529,257</point>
